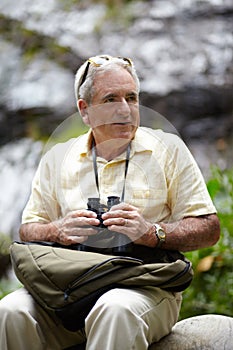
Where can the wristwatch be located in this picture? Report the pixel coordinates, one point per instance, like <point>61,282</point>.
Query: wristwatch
<point>160,234</point>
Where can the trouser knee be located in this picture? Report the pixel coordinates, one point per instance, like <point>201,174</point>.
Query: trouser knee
<point>9,319</point>
<point>114,310</point>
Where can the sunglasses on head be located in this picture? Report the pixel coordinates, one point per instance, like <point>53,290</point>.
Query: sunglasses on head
<point>99,61</point>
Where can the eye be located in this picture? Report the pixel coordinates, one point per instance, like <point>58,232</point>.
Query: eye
<point>109,100</point>
<point>132,98</point>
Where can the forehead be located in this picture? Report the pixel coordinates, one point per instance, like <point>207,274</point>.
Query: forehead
<point>117,80</point>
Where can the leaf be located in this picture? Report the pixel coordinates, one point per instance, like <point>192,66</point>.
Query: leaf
<point>213,186</point>
<point>205,264</point>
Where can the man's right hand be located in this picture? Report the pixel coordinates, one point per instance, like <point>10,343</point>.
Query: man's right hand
<point>74,228</point>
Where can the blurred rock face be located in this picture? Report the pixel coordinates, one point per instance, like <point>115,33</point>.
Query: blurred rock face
<point>182,51</point>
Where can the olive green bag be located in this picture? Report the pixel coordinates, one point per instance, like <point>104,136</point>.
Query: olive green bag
<point>67,283</point>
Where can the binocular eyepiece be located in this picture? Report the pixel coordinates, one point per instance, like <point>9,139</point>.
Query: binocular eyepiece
<point>94,205</point>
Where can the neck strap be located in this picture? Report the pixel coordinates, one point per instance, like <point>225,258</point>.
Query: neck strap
<point>96,169</point>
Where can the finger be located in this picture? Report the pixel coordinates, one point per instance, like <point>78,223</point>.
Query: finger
<point>114,221</point>
<point>79,231</point>
<point>123,206</point>
<point>120,222</point>
<point>77,239</point>
<point>120,214</point>
<point>82,213</point>
<point>81,222</point>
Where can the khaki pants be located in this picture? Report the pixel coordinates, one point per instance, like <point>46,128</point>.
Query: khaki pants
<point>122,319</point>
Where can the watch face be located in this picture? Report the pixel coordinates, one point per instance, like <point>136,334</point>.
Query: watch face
<point>161,234</point>
<point>162,237</point>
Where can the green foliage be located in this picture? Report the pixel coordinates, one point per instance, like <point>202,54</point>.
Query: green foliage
<point>4,254</point>
<point>8,285</point>
<point>212,287</point>
<point>5,242</point>
<point>73,128</point>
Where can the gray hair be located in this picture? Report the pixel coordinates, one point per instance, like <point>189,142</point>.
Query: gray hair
<point>85,90</point>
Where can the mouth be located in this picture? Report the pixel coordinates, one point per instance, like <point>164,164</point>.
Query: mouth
<point>122,123</point>
<point>125,127</point>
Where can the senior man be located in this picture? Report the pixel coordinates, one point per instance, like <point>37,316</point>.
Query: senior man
<point>163,203</point>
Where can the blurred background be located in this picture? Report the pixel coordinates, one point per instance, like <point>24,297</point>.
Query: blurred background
<point>183,53</point>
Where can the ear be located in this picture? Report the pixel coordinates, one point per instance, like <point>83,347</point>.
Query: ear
<point>83,110</point>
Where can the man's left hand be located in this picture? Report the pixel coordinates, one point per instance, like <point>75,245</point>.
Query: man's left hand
<point>127,219</point>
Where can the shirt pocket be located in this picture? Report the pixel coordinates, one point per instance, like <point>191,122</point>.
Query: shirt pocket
<point>150,202</point>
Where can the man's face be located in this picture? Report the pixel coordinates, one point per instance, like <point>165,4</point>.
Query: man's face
<point>114,109</point>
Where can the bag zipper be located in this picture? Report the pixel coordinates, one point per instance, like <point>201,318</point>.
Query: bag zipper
<point>80,281</point>
<point>180,274</point>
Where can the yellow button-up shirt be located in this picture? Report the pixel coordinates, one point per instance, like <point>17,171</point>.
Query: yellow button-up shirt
<point>163,180</point>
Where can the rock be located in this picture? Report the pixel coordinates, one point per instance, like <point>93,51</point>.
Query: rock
<point>205,332</point>
<point>18,161</point>
<point>184,61</point>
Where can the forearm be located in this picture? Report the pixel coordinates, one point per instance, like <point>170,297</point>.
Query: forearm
<point>188,234</point>
<point>192,233</point>
<point>74,228</point>
<point>39,232</point>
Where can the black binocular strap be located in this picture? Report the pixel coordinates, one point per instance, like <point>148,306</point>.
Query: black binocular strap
<point>96,169</point>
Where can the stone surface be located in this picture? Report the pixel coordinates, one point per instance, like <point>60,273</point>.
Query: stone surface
<point>184,60</point>
<point>205,332</point>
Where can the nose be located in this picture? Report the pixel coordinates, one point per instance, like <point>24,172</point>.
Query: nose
<point>123,108</point>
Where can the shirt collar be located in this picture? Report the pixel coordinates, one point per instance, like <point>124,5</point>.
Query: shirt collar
<point>85,143</point>
<point>140,143</point>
